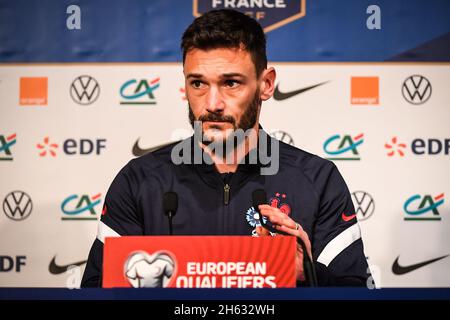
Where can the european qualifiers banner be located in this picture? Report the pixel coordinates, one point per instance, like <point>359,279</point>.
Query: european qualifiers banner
<point>199,262</point>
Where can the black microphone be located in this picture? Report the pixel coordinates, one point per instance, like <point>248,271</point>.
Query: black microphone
<point>259,197</point>
<point>170,206</point>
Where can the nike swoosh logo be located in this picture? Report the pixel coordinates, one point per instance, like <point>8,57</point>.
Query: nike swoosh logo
<point>347,218</point>
<point>399,270</point>
<point>279,96</point>
<point>137,151</point>
<point>57,269</point>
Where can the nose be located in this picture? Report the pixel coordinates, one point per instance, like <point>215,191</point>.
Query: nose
<point>215,103</point>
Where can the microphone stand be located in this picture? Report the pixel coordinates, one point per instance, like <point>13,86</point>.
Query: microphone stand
<point>170,216</point>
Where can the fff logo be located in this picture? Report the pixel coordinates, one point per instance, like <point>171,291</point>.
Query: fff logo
<point>343,147</point>
<point>423,207</point>
<point>80,207</point>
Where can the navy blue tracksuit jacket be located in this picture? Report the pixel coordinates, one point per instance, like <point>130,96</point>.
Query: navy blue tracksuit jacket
<point>307,188</point>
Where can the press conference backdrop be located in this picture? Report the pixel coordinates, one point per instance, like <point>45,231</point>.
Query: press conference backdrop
<point>87,86</point>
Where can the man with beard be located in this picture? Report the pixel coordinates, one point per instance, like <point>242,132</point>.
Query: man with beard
<point>227,78</point>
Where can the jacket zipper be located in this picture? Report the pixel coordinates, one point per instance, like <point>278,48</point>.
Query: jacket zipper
<point>226,194</point>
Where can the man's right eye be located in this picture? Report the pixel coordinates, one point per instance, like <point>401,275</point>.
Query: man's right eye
<point>196,84</point>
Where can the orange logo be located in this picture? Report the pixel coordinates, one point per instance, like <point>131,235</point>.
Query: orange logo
<point>365,90</point>
<point>33,91</point>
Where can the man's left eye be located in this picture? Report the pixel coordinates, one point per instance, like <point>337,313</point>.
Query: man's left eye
<point>231,83</point>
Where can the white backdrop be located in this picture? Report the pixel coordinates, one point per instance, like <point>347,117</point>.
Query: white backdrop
<point>310,118</point>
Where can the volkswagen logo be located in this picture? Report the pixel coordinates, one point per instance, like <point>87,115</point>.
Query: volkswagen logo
<point>84,90</point>
<point>17,205</point>
<point>416,89</point>
<point>364,205</point>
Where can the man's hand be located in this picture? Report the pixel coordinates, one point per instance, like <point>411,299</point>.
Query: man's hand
<point>283,222</point>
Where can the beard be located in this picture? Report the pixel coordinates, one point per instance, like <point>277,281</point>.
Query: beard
<point>246,122</point>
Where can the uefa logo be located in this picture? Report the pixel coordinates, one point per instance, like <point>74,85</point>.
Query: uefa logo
<point>84,90</point>
<point>143,270</point>
<point>17,205</point>
<point>416,89</point>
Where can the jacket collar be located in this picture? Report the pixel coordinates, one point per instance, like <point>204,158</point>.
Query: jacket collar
<point>245,169</point>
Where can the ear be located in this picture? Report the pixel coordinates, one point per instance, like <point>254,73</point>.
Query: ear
<point>267,85</point>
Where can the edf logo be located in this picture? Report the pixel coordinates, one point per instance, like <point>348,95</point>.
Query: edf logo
<point>343,147</point>
<point>8,263</point>
<point>430,146</point>
<point>80,207</point>
<point>84,146</point>
<point>70,147</point>
<point>419,147</point>
<point>423,207</point>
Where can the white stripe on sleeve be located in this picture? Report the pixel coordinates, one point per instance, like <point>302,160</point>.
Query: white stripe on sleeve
<point>104,231</point>
<point>339,244</point>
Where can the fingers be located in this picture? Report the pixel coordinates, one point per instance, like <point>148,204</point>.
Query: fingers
<point>262,231</point>
<point>298,233</point>
<point>276,216</point>
<point>299,263</point>
<point>284,223</point>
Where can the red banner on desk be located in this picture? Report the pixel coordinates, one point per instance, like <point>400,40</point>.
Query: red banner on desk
<point>199,262</point>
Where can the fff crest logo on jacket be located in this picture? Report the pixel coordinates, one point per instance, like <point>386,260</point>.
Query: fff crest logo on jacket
<point>254,218</point>
<point>344,147</point>
<point>271,14</point>
<point>139,92</point>
<point>423,207</point>
<point>80,207</point>
<point>6,143</point>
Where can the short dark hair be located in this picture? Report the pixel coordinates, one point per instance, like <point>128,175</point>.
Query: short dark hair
<point>227,29</point>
